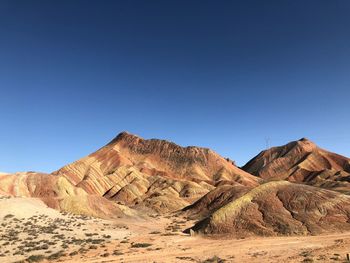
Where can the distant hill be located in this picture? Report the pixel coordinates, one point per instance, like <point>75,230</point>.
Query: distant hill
<point>302,162</point>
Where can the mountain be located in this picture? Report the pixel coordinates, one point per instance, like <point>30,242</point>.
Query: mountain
<point>302,162</point>
<point>153,173</point>
<point>273,208</point>
<point>131,176</point>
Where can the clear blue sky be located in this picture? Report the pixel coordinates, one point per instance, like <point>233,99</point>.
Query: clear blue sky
<point>219,74</point>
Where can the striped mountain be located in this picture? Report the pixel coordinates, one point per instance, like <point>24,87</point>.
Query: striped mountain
<point>153,173</point>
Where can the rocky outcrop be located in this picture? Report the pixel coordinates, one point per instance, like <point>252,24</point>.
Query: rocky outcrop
<point>302,162</point>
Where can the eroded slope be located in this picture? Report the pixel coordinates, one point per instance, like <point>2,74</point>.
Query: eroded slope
<point>280,208</point>
<point>58,193</point>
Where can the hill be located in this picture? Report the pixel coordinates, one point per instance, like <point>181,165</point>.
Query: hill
<point>302,162</point>
<point>278,208</point>
<point>58,193</point>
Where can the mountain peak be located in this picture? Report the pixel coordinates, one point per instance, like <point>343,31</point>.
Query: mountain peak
<point>306,144</point>
<point>125,136</point>
<point>306,140</point>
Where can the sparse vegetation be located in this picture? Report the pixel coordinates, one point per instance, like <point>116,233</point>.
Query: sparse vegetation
<point>56,255</point>
<point>308,259</point>
<point>35,258</point>
<point>138,245</point>
<point>186,258</point>
<point>155,232</point>
<point>117,253</point>
<point>73,253</point>
<point>305,254</point>
<point>27,235</point>
<point>214,259</point>
<point>8,216</point>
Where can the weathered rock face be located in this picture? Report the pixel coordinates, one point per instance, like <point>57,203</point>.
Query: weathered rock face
<point>302,162</point>
<point>278,208</point>
<point>156,173</point>
<point>58,193</point>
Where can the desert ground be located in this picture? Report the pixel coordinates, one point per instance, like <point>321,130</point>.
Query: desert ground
<point>32,232</point>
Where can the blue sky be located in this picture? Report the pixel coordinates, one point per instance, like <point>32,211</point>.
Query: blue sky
<point>218,74</point>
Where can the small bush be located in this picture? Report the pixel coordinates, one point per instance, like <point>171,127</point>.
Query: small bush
<point>35,258</point>
<point>73,253</point>
<point>155,232</point>
<point>136,245</point>
<point>45,246</point>
<point>8,216</point>
<point>214,259</point>
<point>56,255</point>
